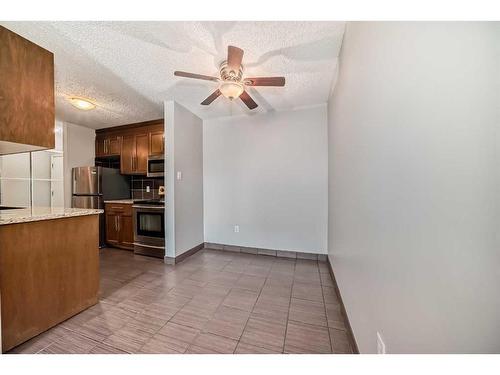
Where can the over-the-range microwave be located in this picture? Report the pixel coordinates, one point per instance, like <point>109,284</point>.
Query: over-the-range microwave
<point>156,166</point>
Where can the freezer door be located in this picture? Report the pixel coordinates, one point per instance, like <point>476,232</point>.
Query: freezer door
<point>86,180</point>
<point>84,201</point>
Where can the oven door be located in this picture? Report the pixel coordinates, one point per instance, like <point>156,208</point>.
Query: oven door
<point>156,167</point>
<point>149,226</point>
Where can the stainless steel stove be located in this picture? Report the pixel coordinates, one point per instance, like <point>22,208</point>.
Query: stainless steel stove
<point>149,227</point>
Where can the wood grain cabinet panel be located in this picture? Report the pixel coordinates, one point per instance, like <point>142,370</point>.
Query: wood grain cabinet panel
<point>112,234</point>
<point>119,225</point>
<point>114,145</point>
<point>156,143</point>
<point>27,110</point>
<point>127,231</point>
<point>134,154</point>
<point>108,146</point>
<point>133,143</point>
<point>49,272</point>
<point>141,144</point>
<point>127,157</point>
<point>99,147</point>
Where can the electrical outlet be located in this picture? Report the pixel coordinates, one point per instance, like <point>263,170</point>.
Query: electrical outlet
<point>380,344</point>
<point>236,229</point>
<point>148,189</point>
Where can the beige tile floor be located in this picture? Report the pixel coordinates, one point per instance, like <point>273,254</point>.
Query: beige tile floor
<point>213,302</point>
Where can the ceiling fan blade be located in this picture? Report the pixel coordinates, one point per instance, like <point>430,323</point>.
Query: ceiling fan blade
<point>211,98</point>
<point>234,58</point>
<point>247,99</point>
<point>265,81</point>
<point>195,76</point>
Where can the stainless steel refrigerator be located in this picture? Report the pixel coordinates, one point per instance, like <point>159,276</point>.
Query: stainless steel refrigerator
<point>93,185</point>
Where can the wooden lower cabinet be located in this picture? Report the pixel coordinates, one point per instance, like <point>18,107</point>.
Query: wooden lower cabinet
<point>119,225</point>
<point>49,271</point>
<point>112,234</point>
<point>127,231</point>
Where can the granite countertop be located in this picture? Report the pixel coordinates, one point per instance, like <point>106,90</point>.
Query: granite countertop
<point>120,201</point>
<point>25,215</point>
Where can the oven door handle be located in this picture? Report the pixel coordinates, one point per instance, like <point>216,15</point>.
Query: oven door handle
<point>149,207</point>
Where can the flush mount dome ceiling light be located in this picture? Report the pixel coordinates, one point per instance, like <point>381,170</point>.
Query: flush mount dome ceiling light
<point>231,82</point>
<point>81,103</point>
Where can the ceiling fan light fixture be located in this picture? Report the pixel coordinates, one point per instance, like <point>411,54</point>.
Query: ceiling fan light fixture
<point>231,89</point>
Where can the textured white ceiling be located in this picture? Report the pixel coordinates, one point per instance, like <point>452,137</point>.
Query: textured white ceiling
<point>127,67</point>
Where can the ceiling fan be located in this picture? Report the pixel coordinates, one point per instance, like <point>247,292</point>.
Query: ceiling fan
<point>231,82</point>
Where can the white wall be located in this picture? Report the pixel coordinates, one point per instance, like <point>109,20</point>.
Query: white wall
<point>268,174</point>
<point>184,197</point>
<point>79,151</point>
<point>414,185</point>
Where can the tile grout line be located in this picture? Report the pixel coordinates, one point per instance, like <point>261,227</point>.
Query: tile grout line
<point>201,329</point>
<point>187,276</point>
<point>260,292</point>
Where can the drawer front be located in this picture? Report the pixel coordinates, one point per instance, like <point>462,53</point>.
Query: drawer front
<point>122,208</point>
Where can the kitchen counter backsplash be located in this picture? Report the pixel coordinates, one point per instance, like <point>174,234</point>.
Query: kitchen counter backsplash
<point>25,215</point>
<point>140,184</point>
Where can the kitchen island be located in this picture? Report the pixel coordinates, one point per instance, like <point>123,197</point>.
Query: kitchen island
<point>49,268</point>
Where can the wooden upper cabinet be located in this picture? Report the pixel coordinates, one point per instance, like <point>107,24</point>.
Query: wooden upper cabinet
<point>134,154</point>
<point>108,145</point>
<point>127,157</point>
<point>156,143</point>
<point>141,159</point>
<point>99,146</point>
<point>114,145</point>
<point>134,143</point>
<point>27,110</point>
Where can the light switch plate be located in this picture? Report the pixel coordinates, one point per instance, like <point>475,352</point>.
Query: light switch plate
<point>236,229</point>
<point>179,175</point>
